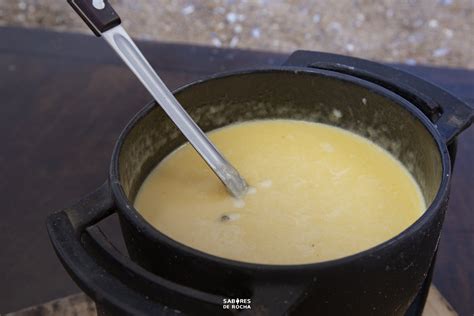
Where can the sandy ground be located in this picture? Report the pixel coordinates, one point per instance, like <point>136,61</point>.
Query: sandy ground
<point>438,32</point>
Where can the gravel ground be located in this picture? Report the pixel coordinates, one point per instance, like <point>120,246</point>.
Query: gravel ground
<point>438,32</point>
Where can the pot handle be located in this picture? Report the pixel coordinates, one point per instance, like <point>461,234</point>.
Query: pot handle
<point>449,114</point>
<point>110,278</point>
<point>88,211</point>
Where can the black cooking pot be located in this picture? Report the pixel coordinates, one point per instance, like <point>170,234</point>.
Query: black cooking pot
<point>414,120</point>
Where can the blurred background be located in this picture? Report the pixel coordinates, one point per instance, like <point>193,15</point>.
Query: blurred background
<point>436,32</point>
<point>57,140</point>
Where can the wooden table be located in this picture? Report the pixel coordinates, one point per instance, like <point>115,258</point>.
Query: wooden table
<point>65,99</point>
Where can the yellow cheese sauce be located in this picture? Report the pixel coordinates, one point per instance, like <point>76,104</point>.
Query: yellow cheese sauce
<point>317,193</point>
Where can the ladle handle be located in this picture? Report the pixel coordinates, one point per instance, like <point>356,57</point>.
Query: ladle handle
<point>104,21</point>
<point>97,14</point>
<point>131,55</point>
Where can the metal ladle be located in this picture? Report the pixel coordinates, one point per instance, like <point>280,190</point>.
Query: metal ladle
<point>104,21</point>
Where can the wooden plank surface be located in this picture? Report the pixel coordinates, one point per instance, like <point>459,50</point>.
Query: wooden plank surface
<point>65,99</point>
<point>80,304</point>
<point>436,305</point>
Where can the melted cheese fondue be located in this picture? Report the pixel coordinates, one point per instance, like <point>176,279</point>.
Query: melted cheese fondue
<point>317,193</point>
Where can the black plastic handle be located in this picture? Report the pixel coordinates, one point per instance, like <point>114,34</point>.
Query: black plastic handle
<point>110,278</point>
<point>449,114</point>
<point>97,14</point>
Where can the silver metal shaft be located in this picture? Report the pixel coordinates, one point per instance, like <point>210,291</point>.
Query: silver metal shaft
<point>124,46</point>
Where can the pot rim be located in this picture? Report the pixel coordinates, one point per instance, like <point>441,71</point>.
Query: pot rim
<point>127,210</point>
